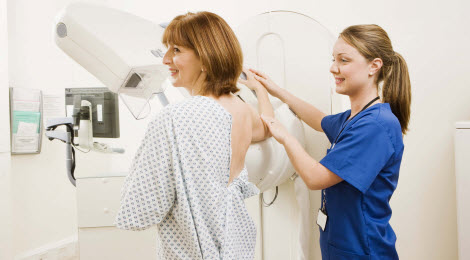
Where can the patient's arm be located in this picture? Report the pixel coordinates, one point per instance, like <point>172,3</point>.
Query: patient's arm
<point>260,131</point>
<point>305,111</point>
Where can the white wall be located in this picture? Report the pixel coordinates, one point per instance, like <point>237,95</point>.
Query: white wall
<point>5,192</point>
<point>431,35</point>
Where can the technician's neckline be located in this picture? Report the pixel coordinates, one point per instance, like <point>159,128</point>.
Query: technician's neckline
<point>376,105</point>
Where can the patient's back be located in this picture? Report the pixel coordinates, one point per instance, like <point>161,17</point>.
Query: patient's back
<point>242,124</point>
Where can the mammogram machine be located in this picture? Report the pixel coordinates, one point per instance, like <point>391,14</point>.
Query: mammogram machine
<point>125,53</point>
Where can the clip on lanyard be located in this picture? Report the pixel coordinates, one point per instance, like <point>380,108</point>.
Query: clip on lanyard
<point>322,216</point>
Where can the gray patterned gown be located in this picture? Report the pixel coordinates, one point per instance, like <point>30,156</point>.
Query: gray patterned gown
<point>178,180</point>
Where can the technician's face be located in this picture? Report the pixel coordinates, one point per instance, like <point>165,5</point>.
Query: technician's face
<point>184,65</point>
<point>350,69</point>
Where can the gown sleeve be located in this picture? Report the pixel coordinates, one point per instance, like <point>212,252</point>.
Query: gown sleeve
<point>149,191</point>
<point>360,154</point>
<point>246,188</point>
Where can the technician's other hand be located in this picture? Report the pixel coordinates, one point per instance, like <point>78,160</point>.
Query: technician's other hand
<point>250,81</point>
<point>270,86</point>
<point>278,131</point>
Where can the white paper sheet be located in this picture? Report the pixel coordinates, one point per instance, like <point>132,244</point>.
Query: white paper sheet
<point>26,100</point>
<point>25,143</point>
<point>53,104</point>
<point>27,129</point>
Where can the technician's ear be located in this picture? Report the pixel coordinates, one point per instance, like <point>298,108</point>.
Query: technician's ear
<point>375,66</point>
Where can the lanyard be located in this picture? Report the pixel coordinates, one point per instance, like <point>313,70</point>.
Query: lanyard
<point>347,122</point>
<point>333,145</point>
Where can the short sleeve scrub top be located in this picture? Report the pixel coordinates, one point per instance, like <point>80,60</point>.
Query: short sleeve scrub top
<point>367,156</point>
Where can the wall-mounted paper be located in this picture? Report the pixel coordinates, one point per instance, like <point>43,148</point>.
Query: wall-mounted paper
<point>25,120</point>
<point>53,104</point>
<point>25,117</point>
<point>25,129</point>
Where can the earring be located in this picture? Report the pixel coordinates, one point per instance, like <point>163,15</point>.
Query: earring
<point>370,73</point>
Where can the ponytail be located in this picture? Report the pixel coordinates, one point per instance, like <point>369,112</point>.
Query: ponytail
<point>396,90</point>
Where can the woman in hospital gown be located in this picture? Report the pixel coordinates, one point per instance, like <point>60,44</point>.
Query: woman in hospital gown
<point>188,176</point>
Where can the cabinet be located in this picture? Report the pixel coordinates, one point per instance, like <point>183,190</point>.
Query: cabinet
<point>98,201</point>
<point>462,184</point>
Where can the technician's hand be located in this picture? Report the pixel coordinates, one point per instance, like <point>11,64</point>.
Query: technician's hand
<point>250,81</point>
<point>278,131</point>
<point>270,86</point>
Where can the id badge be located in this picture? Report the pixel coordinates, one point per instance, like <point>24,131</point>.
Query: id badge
<point>321,219</point>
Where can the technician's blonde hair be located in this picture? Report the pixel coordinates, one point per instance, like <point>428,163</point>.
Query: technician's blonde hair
<point>216,46</point>
<point>373,42</point>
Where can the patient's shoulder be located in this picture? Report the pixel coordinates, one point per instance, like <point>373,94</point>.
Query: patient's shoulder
<point>238,108</point>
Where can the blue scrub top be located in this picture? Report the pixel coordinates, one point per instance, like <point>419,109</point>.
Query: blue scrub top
<point>367,156</point>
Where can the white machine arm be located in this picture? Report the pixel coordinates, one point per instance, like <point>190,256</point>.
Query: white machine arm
<point>125,52</point>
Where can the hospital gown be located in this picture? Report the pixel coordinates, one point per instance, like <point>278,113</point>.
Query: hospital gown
<point>178,181</point>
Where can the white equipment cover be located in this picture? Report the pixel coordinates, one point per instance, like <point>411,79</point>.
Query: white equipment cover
<point>125,52</point>
<point>295,51</point>
<point>298,62</point>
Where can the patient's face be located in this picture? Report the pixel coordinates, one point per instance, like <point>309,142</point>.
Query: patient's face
<point>185,67</point>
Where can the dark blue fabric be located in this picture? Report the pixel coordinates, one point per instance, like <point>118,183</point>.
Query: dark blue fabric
<point>367,156</point>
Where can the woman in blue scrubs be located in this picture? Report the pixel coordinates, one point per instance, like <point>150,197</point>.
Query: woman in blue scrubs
<point>360,171</point>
